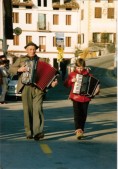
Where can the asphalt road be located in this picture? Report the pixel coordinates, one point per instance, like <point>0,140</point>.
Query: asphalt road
<point>60,149</point>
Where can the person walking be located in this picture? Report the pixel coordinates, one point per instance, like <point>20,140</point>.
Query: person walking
<point>32,97</point>
<point>3,80</point>
<point>80,102</point>
<point>63,67</point>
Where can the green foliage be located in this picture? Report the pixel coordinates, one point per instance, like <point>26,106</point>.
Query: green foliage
<point>111,48</point>
<point>77,52</point>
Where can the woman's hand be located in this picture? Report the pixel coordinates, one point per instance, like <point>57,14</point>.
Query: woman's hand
<point>54,83</point>
<point>74,79</point>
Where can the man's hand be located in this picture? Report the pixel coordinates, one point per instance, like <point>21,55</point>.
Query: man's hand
<point>54,83</point>
<point>22,69</point>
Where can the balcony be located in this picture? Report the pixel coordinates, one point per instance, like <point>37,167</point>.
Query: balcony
<point>70,5</point>
<point>25,3</point>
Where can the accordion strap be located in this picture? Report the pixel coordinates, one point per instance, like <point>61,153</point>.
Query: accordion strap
<point>35,62</point>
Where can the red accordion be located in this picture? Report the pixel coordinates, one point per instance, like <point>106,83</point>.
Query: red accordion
<point>45,74</point>
<point>39,73</point>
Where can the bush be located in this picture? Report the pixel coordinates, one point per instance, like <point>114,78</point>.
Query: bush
<point>111,48</point>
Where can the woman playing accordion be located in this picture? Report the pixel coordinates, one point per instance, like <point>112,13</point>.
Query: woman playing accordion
<point>79,98</point>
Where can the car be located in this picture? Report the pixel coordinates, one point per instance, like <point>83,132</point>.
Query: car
<point>12,87</point>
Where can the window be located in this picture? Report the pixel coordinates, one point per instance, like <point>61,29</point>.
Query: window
<point>55,8</point>
<point>79,38</point>
<point>68,19</point>
<point>82,38</point>
<point>41,21</point>
<point>97,0</point>
<point>68,9</point>
<point>16,40</point>
<point>15,77</point>
<point>68,41</point>
<point>104,37</point>
<point>82,14</point>
<point>15,17</point>
<point>28,39</point>
<point>39,2</point>
<point>110,1</point>
<point>110,13</point>
<point>55,19</point>
<point>114,38</point>
<point>45,3</point>
<point>54,41</point>
<point>28,18</point>
<point>111,37</point>
<point>42,43</point>
<point>98,12</point>
<point>96,37</point>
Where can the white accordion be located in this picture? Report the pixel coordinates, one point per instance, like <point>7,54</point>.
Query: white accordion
<point>86,85</point>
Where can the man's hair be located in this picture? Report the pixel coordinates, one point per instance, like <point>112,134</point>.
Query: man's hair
<point>31,44</point>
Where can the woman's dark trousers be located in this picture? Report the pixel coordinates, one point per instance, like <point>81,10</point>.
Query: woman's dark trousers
<point>80,114</point>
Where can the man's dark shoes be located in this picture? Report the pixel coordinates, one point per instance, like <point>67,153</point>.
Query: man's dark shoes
<point>29,137</point>
<point>39,136</point>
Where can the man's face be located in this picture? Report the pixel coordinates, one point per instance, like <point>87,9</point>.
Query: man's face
<point>31,50</point>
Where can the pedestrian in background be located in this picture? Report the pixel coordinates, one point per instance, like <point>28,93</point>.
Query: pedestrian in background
<point>63,68</point>
<point>32,97</point>
<point>3,80</point>
<point>2,57</point>
<point>80,102</point>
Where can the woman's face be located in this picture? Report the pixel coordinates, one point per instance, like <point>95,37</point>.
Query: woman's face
<point>79,68</point>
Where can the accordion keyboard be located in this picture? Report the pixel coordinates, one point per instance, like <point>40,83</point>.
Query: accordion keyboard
<point>78,83</point>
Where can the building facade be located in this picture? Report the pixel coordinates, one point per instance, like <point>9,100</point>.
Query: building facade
<point>77,23</point>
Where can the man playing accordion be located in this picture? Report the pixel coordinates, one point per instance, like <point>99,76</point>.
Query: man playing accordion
<point>32,96</point>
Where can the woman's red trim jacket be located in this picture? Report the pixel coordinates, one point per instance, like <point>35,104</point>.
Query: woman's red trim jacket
<point>68,83</point>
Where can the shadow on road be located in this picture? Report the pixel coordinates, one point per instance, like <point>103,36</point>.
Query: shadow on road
<point>13,119</point>
<point>59,122</point>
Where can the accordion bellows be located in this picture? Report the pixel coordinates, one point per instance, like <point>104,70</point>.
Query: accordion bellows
<point>45,74</point>
<point>85,85</point>
<point>39,73</point>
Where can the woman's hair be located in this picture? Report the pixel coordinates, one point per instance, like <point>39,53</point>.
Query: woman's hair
<point>80,62</point>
